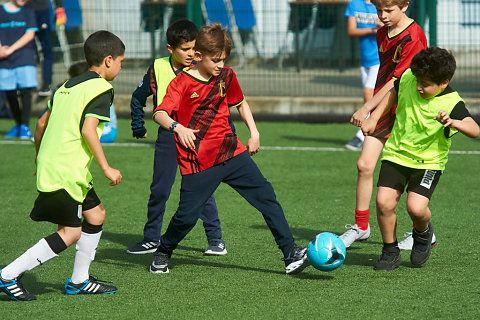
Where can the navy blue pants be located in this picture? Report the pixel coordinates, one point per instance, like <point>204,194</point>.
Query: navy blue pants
<point>164,171</point>
<point>43,34</point>
<point>243,175</point>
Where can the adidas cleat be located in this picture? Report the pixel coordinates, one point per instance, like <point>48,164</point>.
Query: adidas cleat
<point>91,286</point>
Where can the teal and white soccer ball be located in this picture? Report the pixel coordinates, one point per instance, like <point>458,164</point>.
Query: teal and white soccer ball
<point>326,252</point>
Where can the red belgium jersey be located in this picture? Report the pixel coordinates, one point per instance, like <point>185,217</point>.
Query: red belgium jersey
<point>395,53</point>
<point>203,105</point>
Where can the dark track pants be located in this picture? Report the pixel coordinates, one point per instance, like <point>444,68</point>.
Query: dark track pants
<point>43,33</point>
<point>243,175</point>
<point>164,171</point>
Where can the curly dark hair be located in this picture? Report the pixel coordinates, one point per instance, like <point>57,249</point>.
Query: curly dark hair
<point>435,64</point>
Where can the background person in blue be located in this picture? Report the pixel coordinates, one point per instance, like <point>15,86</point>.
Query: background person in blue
<point>18,73</point>
<point>42,15</point>
<point>363,22</point>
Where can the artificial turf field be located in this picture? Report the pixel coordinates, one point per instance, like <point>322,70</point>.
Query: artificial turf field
<point>314,179</point>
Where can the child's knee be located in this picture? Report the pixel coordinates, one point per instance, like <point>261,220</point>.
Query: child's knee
<point>95,216</point>
<point>365,166</point>
<point>385,205</point>
<point>417,210</point>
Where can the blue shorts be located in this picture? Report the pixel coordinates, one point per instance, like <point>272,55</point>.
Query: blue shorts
<point>18,78</point>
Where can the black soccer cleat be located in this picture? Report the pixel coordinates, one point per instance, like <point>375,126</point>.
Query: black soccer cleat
<point>15,290</point>
<point>422,246</point>
<point>160,262</point>
<point>389,260</point>
<point>296,260</point>
<point>91,286</point>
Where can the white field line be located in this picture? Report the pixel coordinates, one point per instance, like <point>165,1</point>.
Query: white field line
<point>271,148</point>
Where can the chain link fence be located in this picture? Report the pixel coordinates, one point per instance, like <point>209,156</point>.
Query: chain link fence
<point>282,48</point>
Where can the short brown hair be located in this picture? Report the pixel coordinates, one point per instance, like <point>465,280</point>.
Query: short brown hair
<point>390,3</point>
<point>213,40</point>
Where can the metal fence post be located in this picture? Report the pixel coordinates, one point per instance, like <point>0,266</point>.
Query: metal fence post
<point>432,21</point>
<point>194,12</point>
<point>421,12</point>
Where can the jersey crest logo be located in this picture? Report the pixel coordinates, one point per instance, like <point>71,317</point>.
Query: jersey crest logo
<point>194,95</point>
<point>381,48</point>
<point>398,54</point>
<point>221,85</point>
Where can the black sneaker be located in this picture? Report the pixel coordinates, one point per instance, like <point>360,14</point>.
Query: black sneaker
<point>296,260</point>
<point>422,246</point>
<point>143,247</point>
<point>216,247</point>
<point>15,289</point>
<point>160,263</point>
<point>389,260</point>
<point>45,90</point>
<point>91,286</point>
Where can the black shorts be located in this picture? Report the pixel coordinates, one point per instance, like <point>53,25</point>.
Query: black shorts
<point>420,181</point>
<point>59,208</point>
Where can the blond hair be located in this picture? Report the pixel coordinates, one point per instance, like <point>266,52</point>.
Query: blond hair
<point>213,40</point>
<point>390,3</point>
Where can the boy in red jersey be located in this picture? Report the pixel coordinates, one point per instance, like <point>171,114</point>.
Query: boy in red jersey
<point>209,152</point>
<point>398,41</point>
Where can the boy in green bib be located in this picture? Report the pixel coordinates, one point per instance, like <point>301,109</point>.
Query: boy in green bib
<point>66,141</point>
<point>429,112</point>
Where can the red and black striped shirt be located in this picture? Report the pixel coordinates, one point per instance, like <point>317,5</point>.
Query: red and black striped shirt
<point>203,105</point>
<point>395,53</point>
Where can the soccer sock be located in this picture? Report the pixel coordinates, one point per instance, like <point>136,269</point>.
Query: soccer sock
<point>391,246</point>
<point>361,218</point>
<point>85,253</point>
<point>44,250</point>
<point>422,232</point>
<point>12,98</point>
<point>360,135</point>
<point>26,97</point>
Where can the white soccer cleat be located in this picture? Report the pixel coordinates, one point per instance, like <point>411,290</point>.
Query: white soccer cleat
<point>407,243</point>
<point>354,233</point>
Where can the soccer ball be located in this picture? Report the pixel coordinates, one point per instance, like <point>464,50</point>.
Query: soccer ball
<point>326,252</point>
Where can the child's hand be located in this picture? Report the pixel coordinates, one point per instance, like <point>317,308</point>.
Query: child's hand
<point>253,144</point>
<point>186,136</point>
<point>113,175</point>
<point>358,117</point>
<point>4,52</point>
<point>444,119</point>
<point>368,126</point>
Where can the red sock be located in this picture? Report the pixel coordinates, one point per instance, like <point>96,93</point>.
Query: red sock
<point>361,218</point>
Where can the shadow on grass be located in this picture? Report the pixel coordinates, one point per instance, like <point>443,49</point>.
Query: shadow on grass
<point>31,283</point>
<point>300,234</point>
<point>184,255</point>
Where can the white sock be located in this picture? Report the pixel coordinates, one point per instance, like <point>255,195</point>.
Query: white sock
<point>360,135</point>
<point>84,255</point>
<point>33,257</point>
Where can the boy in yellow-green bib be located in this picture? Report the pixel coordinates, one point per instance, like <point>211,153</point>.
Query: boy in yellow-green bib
<point>428,114</point>
<point>66,141</point>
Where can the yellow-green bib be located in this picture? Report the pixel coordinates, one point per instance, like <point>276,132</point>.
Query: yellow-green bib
<point>417,140</point>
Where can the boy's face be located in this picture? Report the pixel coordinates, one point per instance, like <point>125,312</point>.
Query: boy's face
<point>390,16</point>
<point>182,56</point>
<point>114,66</point>
<point>212,65</point>
<point>429,89</point>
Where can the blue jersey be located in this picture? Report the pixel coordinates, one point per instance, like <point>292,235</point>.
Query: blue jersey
<point>366,16</point>
<point>13,26</point>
